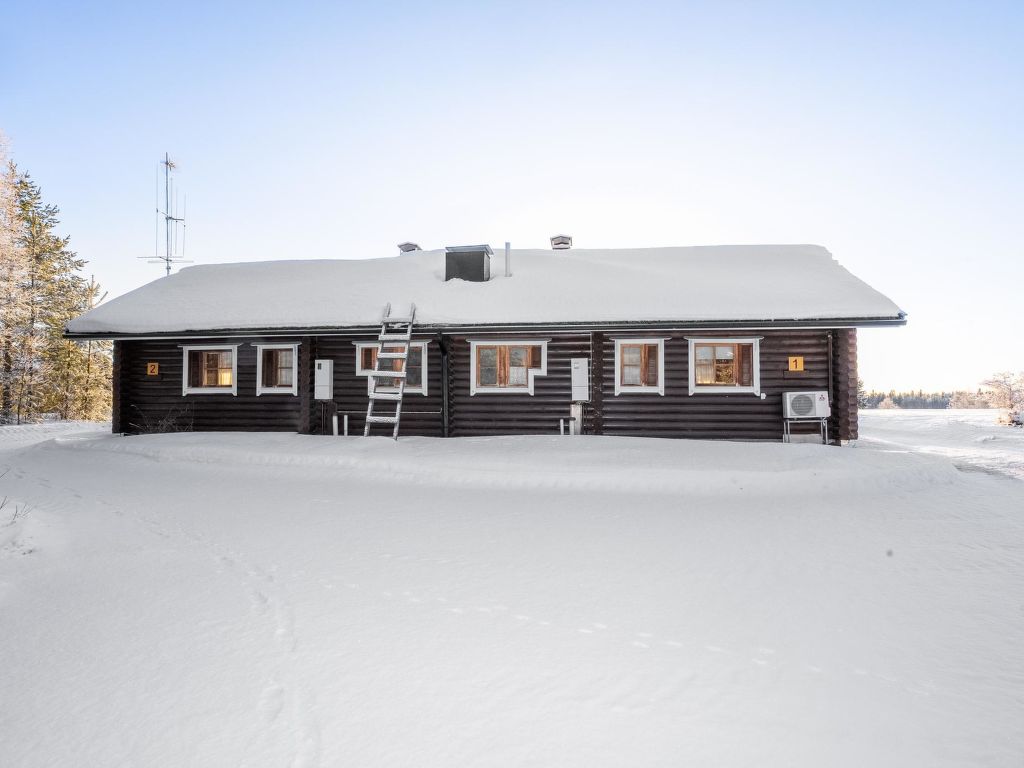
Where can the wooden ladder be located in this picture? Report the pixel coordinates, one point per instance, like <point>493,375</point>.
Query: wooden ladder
<point>395,336</point>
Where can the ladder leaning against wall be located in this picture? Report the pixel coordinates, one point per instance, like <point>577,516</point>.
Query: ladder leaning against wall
<point>387,379</point>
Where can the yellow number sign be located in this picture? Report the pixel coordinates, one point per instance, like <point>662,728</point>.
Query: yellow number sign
<point>152,369</point>
<point>796,363</point>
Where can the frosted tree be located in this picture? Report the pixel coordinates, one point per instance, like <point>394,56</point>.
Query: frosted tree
<point>888,403</point>
<point>15,310</point>
<point>40,291</point>
<point>1007,392</point>
<point>964,399</point>
<point>77,384</point>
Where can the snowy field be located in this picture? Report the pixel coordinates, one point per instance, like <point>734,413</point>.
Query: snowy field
<point>284,600</point>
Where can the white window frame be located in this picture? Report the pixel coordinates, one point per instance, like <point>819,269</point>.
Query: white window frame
<point>754,389</point>
<point>187,390</point>
<point>621,389</point>
<point>290,390</point>
<point>409,390</point>
<point>531,373</point>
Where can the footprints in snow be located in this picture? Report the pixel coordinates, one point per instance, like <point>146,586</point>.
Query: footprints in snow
<point>763,657</point>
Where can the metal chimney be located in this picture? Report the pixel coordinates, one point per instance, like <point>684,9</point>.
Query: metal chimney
<point>561,242</point>
<point>407,247</point>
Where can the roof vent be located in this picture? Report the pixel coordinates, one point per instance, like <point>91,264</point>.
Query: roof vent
<point>468,262</point>
<point>406,247</point>
<point>561,242</point>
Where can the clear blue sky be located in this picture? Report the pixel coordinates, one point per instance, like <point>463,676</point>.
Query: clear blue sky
<point>893,136</point>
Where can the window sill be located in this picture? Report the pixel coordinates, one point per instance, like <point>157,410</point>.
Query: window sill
<point>274,391</point>
<point>711,390</point>
<point>209,391</point>
<point>502,391</point>
<point>628,390</point>
<point>392,390</point>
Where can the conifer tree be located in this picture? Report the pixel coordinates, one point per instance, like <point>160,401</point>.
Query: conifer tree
<point>41,289</point>
<point>14,279</point>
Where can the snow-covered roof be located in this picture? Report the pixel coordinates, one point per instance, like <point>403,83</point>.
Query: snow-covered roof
<point>694,284</point>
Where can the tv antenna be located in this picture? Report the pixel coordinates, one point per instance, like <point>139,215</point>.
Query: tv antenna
<point>172,254</point>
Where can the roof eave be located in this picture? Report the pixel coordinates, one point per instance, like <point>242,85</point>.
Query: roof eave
<point>829,322</point>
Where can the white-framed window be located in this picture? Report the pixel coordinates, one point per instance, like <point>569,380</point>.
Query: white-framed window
<point>725,365</point>
<point>277,367</point>
<point>639,366</point>
<point>506,366</point>
<point>415,366</point>
<point>209,369</point>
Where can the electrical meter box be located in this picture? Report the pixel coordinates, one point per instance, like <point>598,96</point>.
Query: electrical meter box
<point>323,380</point>
<point>580,380</point>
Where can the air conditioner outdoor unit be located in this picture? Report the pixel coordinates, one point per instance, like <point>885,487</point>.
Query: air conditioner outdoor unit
<point>805,405</point>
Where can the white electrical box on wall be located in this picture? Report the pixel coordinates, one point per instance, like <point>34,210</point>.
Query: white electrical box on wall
<point>580,380</point>
<point>323,380</point>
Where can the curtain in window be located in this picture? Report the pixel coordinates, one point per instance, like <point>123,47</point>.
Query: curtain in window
<point>639,363</point>
<point>705,364</point>
<point>745,376</point>
<point>649,365</point>
<point>518,366</point>
<point>724,364</point>
<point>209,368</point>
<point>506,365</point>
<point>278,368</point>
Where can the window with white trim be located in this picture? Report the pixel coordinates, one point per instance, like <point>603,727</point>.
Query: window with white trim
<point>725,365</point>
<point>639,366</point>
<point>415,366</point>
<point>209,369</point>
<point>506,366</point>
<point>276,369</point>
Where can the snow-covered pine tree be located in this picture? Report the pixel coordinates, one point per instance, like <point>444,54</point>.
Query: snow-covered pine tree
<point>78,373</point>
<point>14,299</point>
<point>48,373</point>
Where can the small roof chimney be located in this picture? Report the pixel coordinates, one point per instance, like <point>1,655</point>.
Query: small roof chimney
<point>468,262</point>
<point>406,247</point>
<point>561,242</point>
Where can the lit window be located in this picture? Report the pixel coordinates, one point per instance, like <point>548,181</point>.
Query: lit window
<point>210,370</point>
<point>415,366</point>
<point>640,366</point>
<point>276,369</point>
<point>506,366</point>
<point>725,365</point>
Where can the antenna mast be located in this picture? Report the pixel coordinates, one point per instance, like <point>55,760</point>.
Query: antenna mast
<point>171,222</point>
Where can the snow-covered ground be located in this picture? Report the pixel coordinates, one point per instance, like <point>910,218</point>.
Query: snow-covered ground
<point>972,439</point>
<point>276,600</point>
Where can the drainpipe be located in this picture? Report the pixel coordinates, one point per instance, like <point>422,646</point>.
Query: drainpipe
<point>508,259</point>
<point>831,394</point>
<point>442,342</point>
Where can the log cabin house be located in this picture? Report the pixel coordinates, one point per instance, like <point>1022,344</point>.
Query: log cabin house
<point>694,342</point>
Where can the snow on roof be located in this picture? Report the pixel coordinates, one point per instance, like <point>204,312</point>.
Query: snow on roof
<point>694,284</point>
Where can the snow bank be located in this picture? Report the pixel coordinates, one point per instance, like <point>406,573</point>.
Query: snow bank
<point>553,463</point>
<point>264,600</point>
<point>750,282</point>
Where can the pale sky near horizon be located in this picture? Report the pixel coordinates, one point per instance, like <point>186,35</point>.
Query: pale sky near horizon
<point>892,136</point>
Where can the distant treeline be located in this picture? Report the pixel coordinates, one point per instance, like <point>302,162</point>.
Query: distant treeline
<point>921,399</point>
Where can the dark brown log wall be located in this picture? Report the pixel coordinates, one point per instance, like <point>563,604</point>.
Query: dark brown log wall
<point>844,383</point>
<point>145,403</point>
<point>155,403</point>
<point>741,416</point>
<point>421,414</point>
<point>514,413</point>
